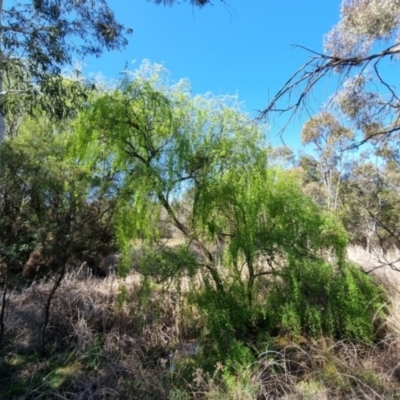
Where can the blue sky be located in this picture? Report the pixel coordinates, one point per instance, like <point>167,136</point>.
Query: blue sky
<point>243,47</point>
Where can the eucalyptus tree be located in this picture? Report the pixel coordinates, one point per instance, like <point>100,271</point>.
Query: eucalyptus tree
<point>370,201</point>
<point>361,204</point>
<point>361,51</point>
<point>331,142</point>
<point>38,39</point>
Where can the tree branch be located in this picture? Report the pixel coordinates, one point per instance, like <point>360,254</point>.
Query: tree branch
<point>305,79</point>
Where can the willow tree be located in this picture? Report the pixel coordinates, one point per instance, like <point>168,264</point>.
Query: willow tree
<point>166,142</point>
<point>168,145</point>
<point>248,227</point>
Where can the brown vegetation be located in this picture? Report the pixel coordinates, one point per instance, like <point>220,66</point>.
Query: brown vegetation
<point>38,263</point>
<point>113,338</point>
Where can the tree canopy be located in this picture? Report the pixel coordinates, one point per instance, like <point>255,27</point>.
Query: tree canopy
<point>359,51</point>
<point>40,38</point>
<point>203,163</point>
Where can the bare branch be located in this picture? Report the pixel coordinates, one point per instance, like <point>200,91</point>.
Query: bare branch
<point>305,79</point>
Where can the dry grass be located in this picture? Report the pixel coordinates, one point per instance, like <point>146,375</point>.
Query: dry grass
<point>385,267</point>
<point>115,338</point>
<point>328,369</point>
<point>111,349</point>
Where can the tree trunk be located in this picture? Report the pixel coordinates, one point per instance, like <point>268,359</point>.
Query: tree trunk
<point>206,254</point>
<point>2,122</point>
<point>56,284</point>
<point>3,307</point>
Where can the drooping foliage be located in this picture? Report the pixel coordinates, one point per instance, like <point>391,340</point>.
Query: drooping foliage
<point>316,299</point>
<point>199,163</point>
<point>280,279</point>
<point>146,161</point>
<point>165,143</point>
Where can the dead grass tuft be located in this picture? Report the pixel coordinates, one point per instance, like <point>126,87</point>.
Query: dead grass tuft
<point>328,369</point>
<point>115,348</point>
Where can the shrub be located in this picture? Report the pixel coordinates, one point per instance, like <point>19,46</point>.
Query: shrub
<point>314,298</point>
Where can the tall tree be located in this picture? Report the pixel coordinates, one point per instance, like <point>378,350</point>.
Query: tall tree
<point>166,143</point>
<point>331,141</point>
<point>40,37</point>
<point>360,51</point>
<point>370,201</point>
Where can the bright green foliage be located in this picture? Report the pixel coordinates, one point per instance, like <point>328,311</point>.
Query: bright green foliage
<point>265,218</point>
<point>167,263</point>
<point>311,297</point>
<point>164,142</point>
<point>229,321</point>
<point>260,244</point>
<point>298,227</point>
<point>278,241</point>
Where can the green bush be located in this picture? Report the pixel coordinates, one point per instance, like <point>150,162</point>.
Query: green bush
<point>314,298</point>
<point>310,298</point>
<point>229,321</point>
